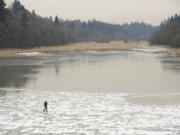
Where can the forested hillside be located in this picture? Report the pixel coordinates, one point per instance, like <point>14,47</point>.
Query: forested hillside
<point>169,33</point>
<point>20,28</point>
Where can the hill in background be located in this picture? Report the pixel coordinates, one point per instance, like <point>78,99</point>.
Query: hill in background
<point>20,28</point>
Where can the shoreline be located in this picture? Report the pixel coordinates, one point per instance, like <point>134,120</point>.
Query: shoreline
<point>85,46</point>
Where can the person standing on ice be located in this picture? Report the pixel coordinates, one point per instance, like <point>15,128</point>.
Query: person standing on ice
<point>45,106</point>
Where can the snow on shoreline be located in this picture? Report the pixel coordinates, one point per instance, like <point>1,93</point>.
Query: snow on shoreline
<point>143,50</point>
<point>156,50</point>
<point>148,50</point>
<point>30,54</point>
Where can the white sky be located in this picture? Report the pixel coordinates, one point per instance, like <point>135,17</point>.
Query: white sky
<point>112,11</point>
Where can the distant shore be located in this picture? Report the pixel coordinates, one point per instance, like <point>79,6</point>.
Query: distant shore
<point>86,46</point>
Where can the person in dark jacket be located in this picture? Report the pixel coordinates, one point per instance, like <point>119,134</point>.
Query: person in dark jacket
<point>45,106</point>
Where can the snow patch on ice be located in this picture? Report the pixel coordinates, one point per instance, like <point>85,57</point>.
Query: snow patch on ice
<point>84,113</point>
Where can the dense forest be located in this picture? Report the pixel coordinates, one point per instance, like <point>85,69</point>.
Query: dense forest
<point>169,33</point>
<point>20,28</point>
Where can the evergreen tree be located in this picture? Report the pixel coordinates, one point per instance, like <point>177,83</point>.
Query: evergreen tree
<point>50,19</point>
<point>169,33</point>
<point>17,6</point>
<point>24,18</point>
<point>56,20</point>
<point>2,11</point>
<point>34,12</point>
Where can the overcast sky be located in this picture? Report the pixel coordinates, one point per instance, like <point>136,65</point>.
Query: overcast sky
<point>112,11</point>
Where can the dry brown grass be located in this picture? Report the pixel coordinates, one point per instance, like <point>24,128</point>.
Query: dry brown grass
<point>84,46</point>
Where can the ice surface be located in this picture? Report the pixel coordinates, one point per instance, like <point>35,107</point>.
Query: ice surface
<point>84,113</point>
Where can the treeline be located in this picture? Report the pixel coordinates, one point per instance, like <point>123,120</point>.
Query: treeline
<point>20,28</point>
<point>169,33</point>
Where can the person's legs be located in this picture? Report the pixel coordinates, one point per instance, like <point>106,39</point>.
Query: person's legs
<point>46,109</point>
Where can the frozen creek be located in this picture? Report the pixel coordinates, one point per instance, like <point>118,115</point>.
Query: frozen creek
<point>91,93</point>
<point>84,113</point>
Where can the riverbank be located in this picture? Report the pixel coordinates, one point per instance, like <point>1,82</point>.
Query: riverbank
<point>75,47</point>
<point>168,49</point>
<point>85,46</point>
